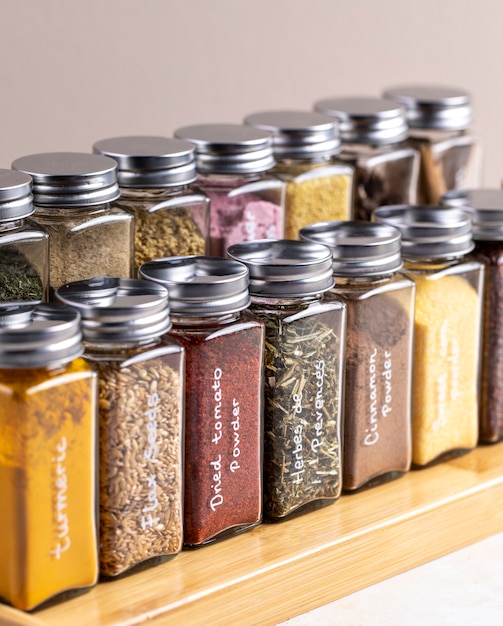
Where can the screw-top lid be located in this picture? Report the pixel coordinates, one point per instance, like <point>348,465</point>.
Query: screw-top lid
<point>16,199</point>
<point>366,120</point>
<point>299,134</point>
<point>229,148</point>
<point>118,309</point>
<point>434,107</point>
<point>284,267</point>
<point>146,161</point>
<point>200,286</point>
<point>485,207</point>
<point>34,334</point>
<point>429,232</point>
<point>70,179</point>
<point>358,248</point>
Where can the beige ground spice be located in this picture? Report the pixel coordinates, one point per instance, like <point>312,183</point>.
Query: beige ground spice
<point>87,242</point>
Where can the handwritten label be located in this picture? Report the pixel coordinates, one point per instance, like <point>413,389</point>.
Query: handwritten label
<point>380,394</point>
<point>217,498</point>
<point>236,450</point>
<point>62,527</point>
<point>319,404</point>
<point>446,384</point>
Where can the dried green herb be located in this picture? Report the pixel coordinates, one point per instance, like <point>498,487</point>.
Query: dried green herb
<point>19,280</point>
<point>302,410</point>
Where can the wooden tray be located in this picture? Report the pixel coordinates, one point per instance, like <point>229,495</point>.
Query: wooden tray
<point>277,571</point>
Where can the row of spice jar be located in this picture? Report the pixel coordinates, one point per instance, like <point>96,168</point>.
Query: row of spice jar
<point>356,379</point>
<point>140,198</point>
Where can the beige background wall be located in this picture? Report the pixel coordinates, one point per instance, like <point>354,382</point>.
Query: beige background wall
<point>75,71</point>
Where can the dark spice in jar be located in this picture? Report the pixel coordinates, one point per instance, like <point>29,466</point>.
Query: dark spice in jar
<point>223,449</point>
<point>301,453</point>
<point>490,254</point>
<point>24,246</point>
<point>303,362</point>
<point>377,433</point>
<point>380,317</point>
<point>224,348</point>
<point>19,279</point>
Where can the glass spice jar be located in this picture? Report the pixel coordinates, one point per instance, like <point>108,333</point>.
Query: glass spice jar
<point>447,327</point>
<point>48,410</point>
<point>141,381</point>
<point>24,246</point>
<point>379,342</point>
<point>72,194</point>
<point>304,353</point>
<point>486,208</point>
<point>223,401</point>
<point>155,176</point>
<point>233,163</point>
<point>440,120</point>
<point>373,133</point>
<point>318,188</point>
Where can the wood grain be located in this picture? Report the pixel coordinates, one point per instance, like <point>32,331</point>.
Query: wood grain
<point>277,571</point>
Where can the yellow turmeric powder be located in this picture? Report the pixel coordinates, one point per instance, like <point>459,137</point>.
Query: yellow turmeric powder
<point>446,363</point>
<point>47,482</point>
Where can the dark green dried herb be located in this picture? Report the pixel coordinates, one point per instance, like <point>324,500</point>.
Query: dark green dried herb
<point>302,409</point>
<point>19,280</point>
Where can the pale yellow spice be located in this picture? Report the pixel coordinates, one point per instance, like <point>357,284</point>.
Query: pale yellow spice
<point>446,360</point>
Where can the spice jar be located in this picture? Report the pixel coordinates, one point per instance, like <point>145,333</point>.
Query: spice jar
<point>379,342</point>
<point>233,163</point>
<point>155,176</point>
<point>140,418</point>
<point>24,246</point>
<point>223,401</point>
<point>440,120</point>
<point>318,188</point>
<point>72,194</point>
<point>303,365</point>
<point>373,133</point>
<point>47,456</point>
<point>486,208</point>
<point>447,328</point>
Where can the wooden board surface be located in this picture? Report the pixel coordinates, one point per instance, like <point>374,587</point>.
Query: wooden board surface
<point>277,571</point>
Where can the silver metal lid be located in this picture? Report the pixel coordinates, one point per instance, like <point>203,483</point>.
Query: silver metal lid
<point>16,199</point>
<point>148,161</point>
<point>358,248</point>
<point>299,134</point>
<point>366,120</point>
<point>229,148</point>
<point>428,231</point>
<point>70,179</point>
<point>33,334</point>
<point>485,207</point>
<point>118,309</point>
<point>200,286</point>
<point>284,267</point>
<point>434,107</point>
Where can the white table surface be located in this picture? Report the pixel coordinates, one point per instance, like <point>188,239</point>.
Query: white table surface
<point>464,588</point>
